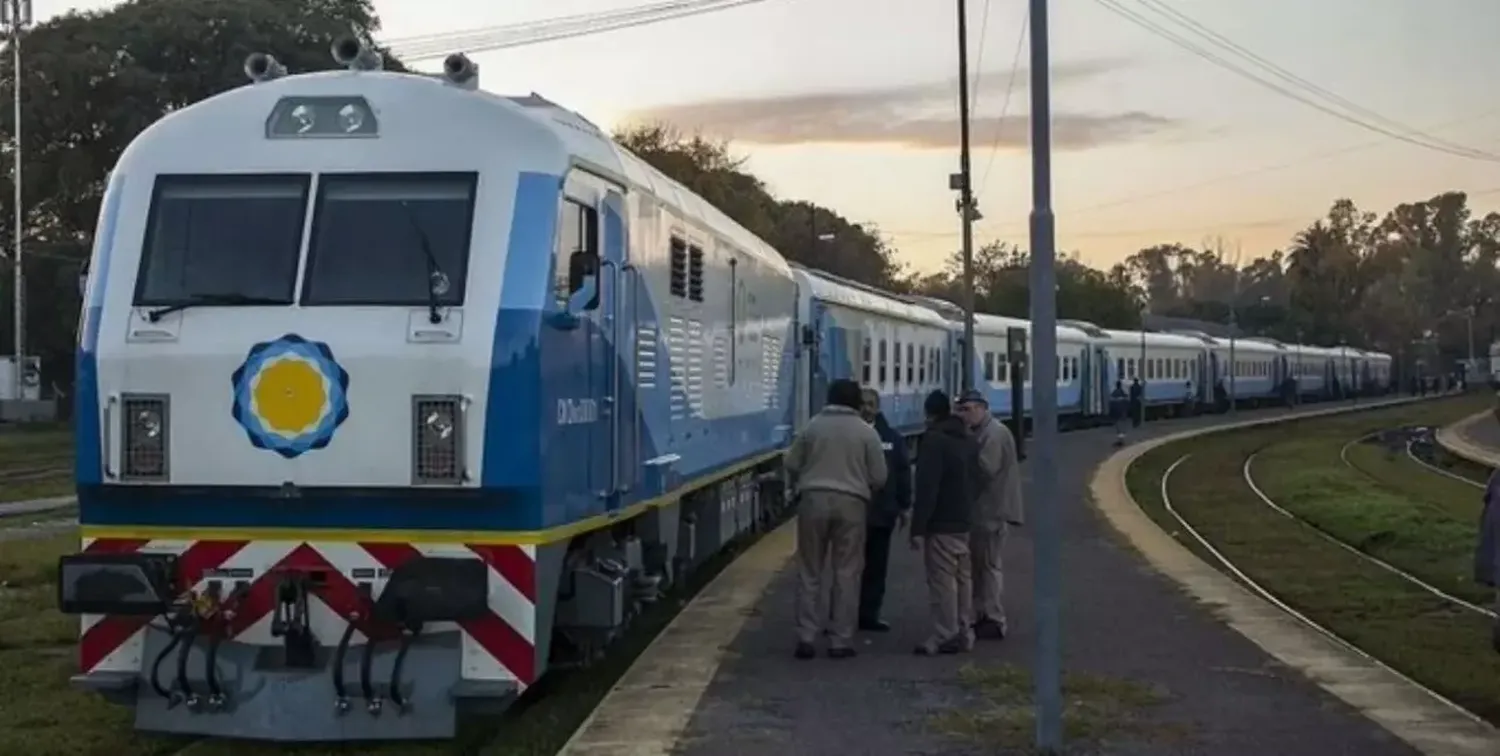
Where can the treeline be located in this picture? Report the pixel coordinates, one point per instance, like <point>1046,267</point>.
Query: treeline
<point>1409,281</point>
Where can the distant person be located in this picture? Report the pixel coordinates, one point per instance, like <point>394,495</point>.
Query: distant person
<point>997,507</point>
<point>1119,409</point>
<point>1137,402</point>
<point>1487,553</point>
<point>1187,398</point>
<point>947,471</point>
<point>836,467</point>
<point>888,509</point>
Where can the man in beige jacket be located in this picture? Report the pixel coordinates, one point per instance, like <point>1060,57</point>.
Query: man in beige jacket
<point>998,507</point>
<point>835,464</point>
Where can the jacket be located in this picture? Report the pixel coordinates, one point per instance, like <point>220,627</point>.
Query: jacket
<point>1487,553</point>
<point>947,477</point>
<point>895,497</point>
<point>999,495</point>
<point>838,451</point>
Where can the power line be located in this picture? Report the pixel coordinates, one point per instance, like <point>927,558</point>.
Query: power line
<point>549,30</point>
<point>1223,42</point>
<point>984,25</point>
<point>1115,7</point>
<point>1010,86</point>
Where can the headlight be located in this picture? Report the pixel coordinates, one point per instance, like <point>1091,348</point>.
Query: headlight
<point>438,440</point>
<point>146,434</point>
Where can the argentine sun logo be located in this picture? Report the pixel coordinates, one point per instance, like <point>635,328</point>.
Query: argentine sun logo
<point>290,395</point>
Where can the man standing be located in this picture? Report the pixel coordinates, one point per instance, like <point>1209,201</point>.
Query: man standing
<point>887,509</point>
<point>947,472</point>
<point>836,465</point>
<point>997,506</point>
<point>1119,408</point>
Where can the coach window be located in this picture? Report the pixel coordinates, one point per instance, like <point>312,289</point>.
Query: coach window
<point>1120,367</point>
<point>223,240</point>
<point>911,364</point>
<point>896,363</point>
<point>866,370</point>
<point>403,239</point>
<point>882,360</point>
<point>922,365</point>
<point>989,366</point>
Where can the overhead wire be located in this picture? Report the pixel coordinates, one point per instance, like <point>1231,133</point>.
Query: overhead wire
<point>984,25</point>
<point>1225,43</point>
<point>1116,7</point>
<point>1010,86</point>
<point>548,30</point>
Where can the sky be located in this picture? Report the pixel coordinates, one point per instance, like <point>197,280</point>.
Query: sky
<point>853,104</point>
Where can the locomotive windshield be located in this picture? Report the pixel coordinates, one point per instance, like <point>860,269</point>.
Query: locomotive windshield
<point>229,239</point>
<point>390,239</point>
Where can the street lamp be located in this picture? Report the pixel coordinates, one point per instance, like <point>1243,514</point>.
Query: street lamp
<point>15,16</point>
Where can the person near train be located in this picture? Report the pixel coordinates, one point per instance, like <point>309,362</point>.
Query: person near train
<point>889,508</point>
<point>836,467</point>
<point>997,508</point>
<point>1137,402</point>
<point>1119,411</point>
<point>945,488</point>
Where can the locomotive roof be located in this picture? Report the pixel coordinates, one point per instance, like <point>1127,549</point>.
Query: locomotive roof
<point>829,288</point>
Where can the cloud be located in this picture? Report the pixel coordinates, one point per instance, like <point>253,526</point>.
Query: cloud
<point>919,115</point>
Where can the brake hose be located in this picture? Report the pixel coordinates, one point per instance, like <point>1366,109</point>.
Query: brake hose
<point>339,654</point>
<point>365,662</point>
<point>407,638</point>
<point>156,665</point>
<point>189,636</point>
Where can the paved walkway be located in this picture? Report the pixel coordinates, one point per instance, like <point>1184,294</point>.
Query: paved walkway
<point>1475,438</point>
<point>1222,694</point>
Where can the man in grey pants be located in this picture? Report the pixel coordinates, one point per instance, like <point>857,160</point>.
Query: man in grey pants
<point>835,464</point>
<point>996,509</point>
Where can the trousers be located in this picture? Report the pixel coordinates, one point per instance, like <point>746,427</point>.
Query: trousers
<point>830,552</point>
<point>949,587</point>
<point>985,547</point>
<point>877,565</point>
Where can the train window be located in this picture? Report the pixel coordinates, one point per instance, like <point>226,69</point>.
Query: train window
<point>1130,368</point>
<point>866,370</point>
<point>896,364</point>
<point>882,360</point>
<point>911,364</point>
<point>695,273</point>
<point>403,239</point>
<point>679,267</point>
<point>1002,369</point>
<point>989,366</point>
<point>922,365</point>
<point>203,230</point>
<point>1119,367</point>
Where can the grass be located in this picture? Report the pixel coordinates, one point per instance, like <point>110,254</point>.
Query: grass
<point>1442,646</point>
<point>1002,717</point>
<point>43,716</point>
<point>28,447</point>
<point>1396,471</point>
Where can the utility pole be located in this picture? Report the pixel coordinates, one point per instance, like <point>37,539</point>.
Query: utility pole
<point>15,16</point>
<point>1048,585</point>
<point>1234,325</point>
<point>962,183</point>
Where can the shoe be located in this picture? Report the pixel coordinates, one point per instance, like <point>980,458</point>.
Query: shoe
<point>989,629</point>
<point>805,651</point>
<point>875,626</point>
<point>953,646</point>
<point>841,652</point>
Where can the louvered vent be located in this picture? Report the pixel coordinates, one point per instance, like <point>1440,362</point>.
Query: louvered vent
<point>695,274</point>
<point>679,268</point>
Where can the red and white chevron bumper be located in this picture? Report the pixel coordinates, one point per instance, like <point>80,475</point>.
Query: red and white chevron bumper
<point>499,647</point>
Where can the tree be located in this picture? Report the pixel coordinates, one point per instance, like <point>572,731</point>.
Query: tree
<point>91,82</point>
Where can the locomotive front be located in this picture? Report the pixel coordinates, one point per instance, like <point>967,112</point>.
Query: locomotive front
<point>292,329</point>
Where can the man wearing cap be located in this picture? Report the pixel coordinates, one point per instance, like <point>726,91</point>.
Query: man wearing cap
<point>997,507</point>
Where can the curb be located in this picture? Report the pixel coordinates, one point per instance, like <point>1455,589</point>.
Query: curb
<point>14,508</point>
<point>1452,439</point>
<point>1409,713</point>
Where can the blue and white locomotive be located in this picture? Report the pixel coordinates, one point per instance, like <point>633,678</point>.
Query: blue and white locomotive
<point>394,392</point>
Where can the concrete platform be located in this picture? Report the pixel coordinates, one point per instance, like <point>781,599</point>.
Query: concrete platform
<point>722,681</point>
<point>1475,438</point>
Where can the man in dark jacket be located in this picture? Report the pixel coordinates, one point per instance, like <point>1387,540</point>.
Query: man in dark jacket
<point>889,506</point>
<point>947,485</point>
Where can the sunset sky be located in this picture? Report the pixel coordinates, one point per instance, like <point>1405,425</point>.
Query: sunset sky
<point>853,104</point>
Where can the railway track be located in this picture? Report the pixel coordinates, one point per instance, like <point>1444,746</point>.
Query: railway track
<point>1245,579</point>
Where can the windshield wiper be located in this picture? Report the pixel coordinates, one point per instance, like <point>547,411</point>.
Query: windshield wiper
<point>197,300</point>
<point>437,280</point>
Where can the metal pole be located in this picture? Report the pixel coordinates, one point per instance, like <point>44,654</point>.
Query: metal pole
<point>18,300</point>
<point>1140,372</point>
<point>965,194</point>
<point>1048,587</point>
<point>1470,368</point>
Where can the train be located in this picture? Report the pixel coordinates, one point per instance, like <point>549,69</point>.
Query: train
<point>394,394</point>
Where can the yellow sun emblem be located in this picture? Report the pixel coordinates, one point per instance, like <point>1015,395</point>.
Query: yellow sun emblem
<point>289,396</point>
